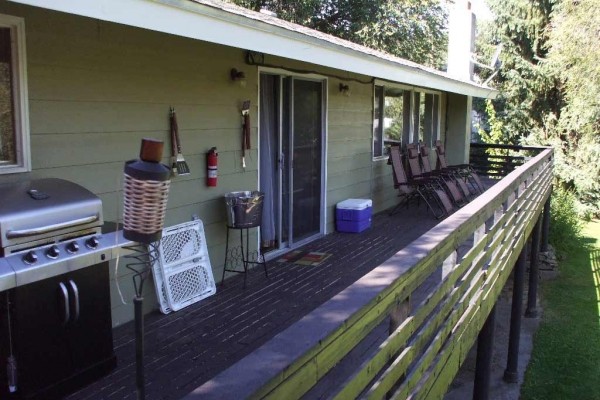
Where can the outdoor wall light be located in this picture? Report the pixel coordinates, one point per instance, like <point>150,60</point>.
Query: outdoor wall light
<point>344,89</point>
<point>238,76</point>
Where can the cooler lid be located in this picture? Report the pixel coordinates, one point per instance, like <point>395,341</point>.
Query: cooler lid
<point>355,204</point>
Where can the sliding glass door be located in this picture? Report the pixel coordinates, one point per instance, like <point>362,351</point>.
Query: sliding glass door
<point>306,162</point>
<point>292,143</point>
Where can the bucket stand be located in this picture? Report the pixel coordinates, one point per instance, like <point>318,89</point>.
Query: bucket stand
<point>245,255</point>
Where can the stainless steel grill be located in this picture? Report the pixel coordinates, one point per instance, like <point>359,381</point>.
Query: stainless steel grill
<point>49,227</point>
<point>54,288</point>
<point>46,209</point>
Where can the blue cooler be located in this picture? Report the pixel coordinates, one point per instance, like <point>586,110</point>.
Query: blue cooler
<point>353,215</point>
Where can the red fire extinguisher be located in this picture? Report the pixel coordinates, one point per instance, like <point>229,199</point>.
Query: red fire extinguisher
<point>212,161</point>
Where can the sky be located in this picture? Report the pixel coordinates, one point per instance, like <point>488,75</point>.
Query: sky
<point>481,10</point>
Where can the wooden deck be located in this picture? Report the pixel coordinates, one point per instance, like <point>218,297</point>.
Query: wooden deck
<point>189,347</point>
<point>461,264</point>
<point>320,332</point>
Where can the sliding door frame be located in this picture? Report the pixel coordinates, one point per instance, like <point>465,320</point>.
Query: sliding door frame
<point>283,74</point>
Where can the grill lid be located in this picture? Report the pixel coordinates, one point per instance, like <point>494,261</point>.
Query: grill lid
<point>45,208</point>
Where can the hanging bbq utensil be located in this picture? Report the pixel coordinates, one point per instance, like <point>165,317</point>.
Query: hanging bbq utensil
<point>182,167</point>
<point>174,171</point>
<point>245,131</point>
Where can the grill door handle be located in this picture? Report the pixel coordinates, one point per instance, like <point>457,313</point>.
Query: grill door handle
<point>50,228</point>
<point>65,296</point>
<point>75,300</point>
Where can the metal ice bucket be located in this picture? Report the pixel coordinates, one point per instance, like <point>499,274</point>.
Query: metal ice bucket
<point>244,209</point>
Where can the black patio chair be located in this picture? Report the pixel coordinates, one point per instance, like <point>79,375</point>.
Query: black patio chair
<point>450,174</point>
<point>465,170</point>
<point>406,190</point>
<point>442,182</point>
<point>422,188</point>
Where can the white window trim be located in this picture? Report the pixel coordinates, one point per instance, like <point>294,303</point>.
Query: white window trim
<point>20,98</point>
<point>439,119</point>
<point>382,157</point>
<point>412,90</point>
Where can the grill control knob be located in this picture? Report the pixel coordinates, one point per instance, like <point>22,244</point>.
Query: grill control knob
<point>72,248</point>
<point>92,243</point>
<point>30,257</point>
<point>52,252</point>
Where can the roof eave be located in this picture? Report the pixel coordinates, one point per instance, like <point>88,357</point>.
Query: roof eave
<point>197,21</point>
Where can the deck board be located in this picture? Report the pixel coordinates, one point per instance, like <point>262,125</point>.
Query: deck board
<point>189,347</point>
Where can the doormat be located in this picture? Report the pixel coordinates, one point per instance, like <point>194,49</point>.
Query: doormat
<point>292,256</point>
<point>303,258</point>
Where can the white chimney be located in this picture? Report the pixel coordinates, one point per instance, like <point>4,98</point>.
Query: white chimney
<point>461,40</point>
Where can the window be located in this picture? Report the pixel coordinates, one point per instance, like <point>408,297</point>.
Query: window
<point>390,123</point>
<point>14,129</point>
<point>378,122</point>
<point>401,116</point>
<point>429,118</point>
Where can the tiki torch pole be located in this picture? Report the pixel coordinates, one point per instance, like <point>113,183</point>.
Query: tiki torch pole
<point>145,194</point>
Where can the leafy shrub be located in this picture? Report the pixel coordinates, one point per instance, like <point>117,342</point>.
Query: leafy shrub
<point>565,222</point>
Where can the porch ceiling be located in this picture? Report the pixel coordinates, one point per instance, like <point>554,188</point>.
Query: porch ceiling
<point>223,23</point>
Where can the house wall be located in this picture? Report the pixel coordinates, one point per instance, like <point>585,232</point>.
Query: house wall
<point>458,128</point>
<point>96,89</point>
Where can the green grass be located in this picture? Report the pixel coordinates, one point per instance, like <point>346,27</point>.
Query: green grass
<point>565,363</point>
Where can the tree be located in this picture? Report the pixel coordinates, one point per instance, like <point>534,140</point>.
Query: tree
<point>550,85</point>
<point>528,91</point>
<point>411,29</point>
<point>394,112</point>
<point>574,55</point>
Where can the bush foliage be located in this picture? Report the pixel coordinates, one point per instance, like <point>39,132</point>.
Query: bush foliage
<point>565,223</point>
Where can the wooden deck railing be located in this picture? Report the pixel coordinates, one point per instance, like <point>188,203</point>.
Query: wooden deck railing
<point>498,160</point>
<point>475,249</point>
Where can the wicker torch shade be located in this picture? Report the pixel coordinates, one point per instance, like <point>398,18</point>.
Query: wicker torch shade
<point>144,208</point>
<point>145,194</point>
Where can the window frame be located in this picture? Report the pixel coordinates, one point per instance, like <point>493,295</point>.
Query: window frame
<point>436,133</point>
<point>379,128</point>
<point>20,97</point>
<point>412,134</point>
<point>406,88</point>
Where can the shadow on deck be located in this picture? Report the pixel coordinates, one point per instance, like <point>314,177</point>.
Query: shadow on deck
<point>189,347</point>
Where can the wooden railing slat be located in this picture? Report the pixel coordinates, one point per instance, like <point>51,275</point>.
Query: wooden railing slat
<point>507,247</point>
<point>351,332</point>
<point>448,320</point>
<point>392,345</point>
<point>500,273</point>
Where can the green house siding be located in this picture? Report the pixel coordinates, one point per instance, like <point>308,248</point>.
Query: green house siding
<point>96,89</point>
